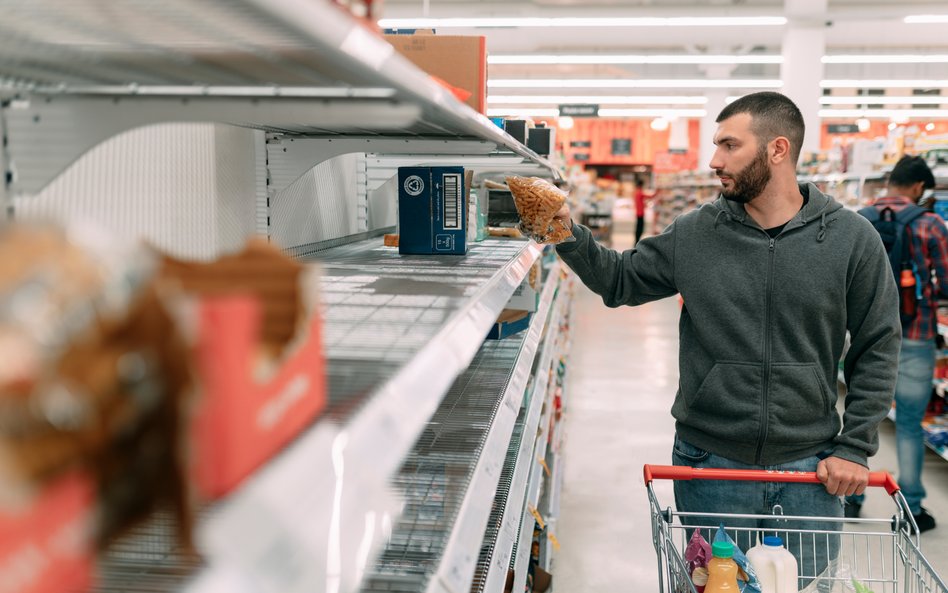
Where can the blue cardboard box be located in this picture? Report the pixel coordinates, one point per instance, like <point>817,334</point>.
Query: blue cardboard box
<point>432,211</point>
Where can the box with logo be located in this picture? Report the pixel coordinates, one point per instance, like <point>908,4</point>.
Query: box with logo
<point>432,217</point>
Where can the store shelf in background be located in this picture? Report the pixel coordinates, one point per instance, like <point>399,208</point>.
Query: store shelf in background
<point>940,450</point>
<point>398,331</point>
<point>280,65</point>
<point>450,478</point>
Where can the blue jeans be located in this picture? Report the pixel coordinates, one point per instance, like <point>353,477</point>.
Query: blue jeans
<point>913,391</point>
<point>813,553</point>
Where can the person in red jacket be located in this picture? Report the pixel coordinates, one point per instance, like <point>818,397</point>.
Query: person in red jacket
<point>640,198</point>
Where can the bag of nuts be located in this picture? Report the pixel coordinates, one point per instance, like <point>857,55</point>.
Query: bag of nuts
<point>537,202</point>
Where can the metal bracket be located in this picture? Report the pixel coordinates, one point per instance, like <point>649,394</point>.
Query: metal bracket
<point>48,133</point>
<point>6,195</point>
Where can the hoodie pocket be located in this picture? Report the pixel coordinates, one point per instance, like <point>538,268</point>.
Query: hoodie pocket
<point>727,404</point>
<point>800,405</point>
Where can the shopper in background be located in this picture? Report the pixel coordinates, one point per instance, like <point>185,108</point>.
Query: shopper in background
<point>928,247</point>
<point>773,274</point>
<point>640,198</point>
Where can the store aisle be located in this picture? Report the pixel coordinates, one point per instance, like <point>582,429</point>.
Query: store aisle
<point>622,380</point>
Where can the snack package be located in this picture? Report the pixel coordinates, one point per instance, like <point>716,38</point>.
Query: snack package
<point>697,555</point>
<point>537,202</point>
<point>837,578</point>
<point>746,576</point>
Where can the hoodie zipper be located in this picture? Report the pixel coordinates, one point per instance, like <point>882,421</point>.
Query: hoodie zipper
<point>762,435</point>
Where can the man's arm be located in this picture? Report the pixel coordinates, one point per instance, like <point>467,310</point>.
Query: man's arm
<point>633,277</point>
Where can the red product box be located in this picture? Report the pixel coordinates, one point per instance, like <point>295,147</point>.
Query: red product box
<point>46,547</point>
<point>242,420</point>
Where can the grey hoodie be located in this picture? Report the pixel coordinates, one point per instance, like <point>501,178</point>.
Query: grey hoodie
<point>763,325</point>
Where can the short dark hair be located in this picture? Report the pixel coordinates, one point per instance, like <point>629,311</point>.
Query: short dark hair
<point>772,115</point>
<point>910,170</point>
<point>639,183</point>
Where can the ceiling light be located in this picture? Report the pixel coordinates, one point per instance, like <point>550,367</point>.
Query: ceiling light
<point>633,59</point>
<point>884,100</point>
<point>666,113</point>
<point>901,84</point>
<point>884,113</point>
<point>929,127</point>
<point>892,125</point>
<point>863,124</point>
<point>565,122</point>
<point>627,83</point>
<point>598,99</point>
<point>926,19</point>
<point>546,22</point>
<point>886,59</point>
<point>659,124</point>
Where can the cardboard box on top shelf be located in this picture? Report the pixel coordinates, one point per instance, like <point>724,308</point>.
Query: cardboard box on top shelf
<point>458,60</point>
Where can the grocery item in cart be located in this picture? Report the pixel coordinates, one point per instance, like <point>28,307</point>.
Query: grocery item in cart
<point>747,576</point>
<point>697,555</point>
<point>776,567</point>
<point>537,202</point>
<point>722,570</point>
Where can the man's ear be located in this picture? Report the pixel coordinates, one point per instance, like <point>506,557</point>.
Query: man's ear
<point>779,149</point>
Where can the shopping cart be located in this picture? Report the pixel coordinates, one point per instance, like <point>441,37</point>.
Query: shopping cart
<point>881,554</point>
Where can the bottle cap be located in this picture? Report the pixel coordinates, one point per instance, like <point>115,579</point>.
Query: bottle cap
<point>722,549</point>
<point>773,540</point>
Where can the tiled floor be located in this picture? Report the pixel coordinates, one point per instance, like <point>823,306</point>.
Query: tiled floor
<point>621,384</point>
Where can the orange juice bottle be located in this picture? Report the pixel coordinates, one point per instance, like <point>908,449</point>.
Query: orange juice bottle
<point>722,570</point>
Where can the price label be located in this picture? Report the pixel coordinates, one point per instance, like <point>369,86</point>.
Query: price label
<point>546,468</point>
<point>537,516</point>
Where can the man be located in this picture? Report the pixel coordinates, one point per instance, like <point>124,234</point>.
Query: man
<point>928,248</point>
<point>772,274</point>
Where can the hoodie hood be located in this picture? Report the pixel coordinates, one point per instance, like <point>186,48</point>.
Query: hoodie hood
<point>819,208</point>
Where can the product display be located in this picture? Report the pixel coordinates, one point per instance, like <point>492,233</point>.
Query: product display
<point>432,211</point>
<point>775,566</point>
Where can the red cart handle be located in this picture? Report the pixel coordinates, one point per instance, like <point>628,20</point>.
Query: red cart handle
<point>680,472</point>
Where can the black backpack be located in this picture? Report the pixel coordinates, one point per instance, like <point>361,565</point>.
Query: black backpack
<point>893,227</point>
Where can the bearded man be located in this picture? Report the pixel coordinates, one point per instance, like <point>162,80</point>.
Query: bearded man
<point>773,275</point>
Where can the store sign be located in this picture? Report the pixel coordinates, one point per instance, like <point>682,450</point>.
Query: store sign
<point>581,157</point>
<point>580,144</point>
<point>842,129</point>
<point>621,146</point>
<point>579,110</point>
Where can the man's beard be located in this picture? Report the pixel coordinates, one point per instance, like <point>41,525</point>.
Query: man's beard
<point>750,182</point>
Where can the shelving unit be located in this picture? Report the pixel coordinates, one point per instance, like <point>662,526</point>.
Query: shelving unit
<point>399,331</point>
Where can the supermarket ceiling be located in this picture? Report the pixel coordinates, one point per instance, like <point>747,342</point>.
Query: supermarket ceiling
<point>638,55</point>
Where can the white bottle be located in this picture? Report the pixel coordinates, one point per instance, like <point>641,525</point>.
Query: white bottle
<point>775,566</point>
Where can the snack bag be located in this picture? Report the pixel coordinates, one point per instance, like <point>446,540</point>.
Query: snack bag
<point>537,201</point>
<point>697,555</point>
<point>746,576</point>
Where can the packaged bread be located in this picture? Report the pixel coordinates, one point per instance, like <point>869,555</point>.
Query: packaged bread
<point>98,376</point>
<point>537,201</point>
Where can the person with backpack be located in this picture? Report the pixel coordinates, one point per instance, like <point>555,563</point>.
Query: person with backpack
<point>916,241</point>
<point>773,275</point>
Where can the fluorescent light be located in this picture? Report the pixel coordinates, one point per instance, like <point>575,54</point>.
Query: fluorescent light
<point>659,124</point>
<point>665,113</point>
<point>900,84</point>
<point>886,59</point>
<point>926,19</point>
<point>597,99</point>
<point>885,100</point>
<point>929,127</point>
<point>523,112</point>
<point>627,83</point>
<point>632,59</point>
<point>884,113</point>
<point>546,22</point>
<point>863,124</point>
<point>544,112</point>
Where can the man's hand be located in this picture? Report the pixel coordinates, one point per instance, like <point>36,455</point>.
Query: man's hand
<point>841,477</point>
<point>563,216</point>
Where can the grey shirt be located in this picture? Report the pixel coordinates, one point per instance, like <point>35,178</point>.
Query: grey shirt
<point>763,325</point>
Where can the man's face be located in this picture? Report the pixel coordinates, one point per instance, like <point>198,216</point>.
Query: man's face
<point>740,161</point>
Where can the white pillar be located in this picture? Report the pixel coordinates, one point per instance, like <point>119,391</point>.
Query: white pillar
<point>717,100</point>
<point>804,45</point>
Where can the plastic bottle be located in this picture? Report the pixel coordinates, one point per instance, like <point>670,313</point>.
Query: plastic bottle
<point>907,286</point>
<point>776,567</point>
<point>722,570</point>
